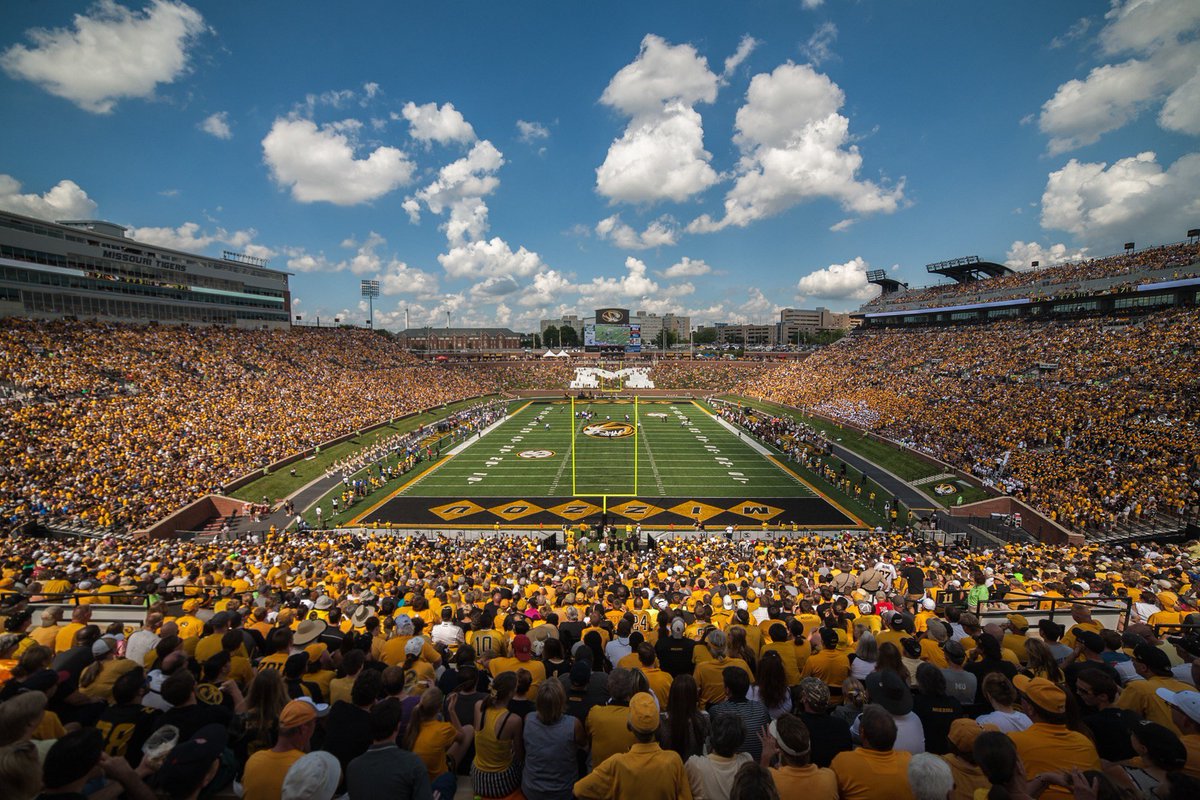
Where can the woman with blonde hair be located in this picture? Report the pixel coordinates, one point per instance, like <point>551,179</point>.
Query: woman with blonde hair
<point>499,744</point>
<point>439,744</point>
<point>1041,662</point>
<point>259,712</point>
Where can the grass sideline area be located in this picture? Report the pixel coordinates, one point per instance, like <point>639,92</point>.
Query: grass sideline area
<point>280,484</point>
<point>895,460</point>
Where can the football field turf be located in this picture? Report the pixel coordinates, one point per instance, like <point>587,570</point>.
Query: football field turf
<point>662,463</point>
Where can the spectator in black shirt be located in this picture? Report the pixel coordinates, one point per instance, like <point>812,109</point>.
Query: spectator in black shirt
<point>1110,726</point>
<point>127,723</point>
<point>829,734</point>
<point>187,714</point>
<point>675,651</point>
<point>348,726</point>
<point>936,709</point>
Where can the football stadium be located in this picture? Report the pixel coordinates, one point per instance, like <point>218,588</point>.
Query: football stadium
<point>496,523</point>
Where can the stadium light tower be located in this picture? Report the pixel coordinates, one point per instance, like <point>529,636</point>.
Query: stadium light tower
<point>370,290</point>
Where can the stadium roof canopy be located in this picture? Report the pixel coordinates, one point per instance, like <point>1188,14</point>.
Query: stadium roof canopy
<point>970,268</point>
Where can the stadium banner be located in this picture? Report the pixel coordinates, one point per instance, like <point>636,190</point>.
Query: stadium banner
<point>635,339</point>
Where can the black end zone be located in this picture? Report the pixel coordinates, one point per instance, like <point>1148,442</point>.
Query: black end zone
<point>657,513</point>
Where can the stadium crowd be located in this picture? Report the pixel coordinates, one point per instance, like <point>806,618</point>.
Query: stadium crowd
<point>1051,282</point>
<point>1094,422</point>
<point>849,667</point>
<point>116,425</point>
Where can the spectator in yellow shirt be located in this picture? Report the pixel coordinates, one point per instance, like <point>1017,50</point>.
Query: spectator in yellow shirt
<point>709,674</point>
<point>646,772</point>
<point>874,771</point>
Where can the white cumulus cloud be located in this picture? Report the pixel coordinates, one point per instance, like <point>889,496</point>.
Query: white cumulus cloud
<point>658,233</point>
<point>661,154</point>
<point>442,124</point>
<point>1164,67</point>
<point>320,164</point>
<point>65,200</point>
<point>839,282</point>
<point>110,54</point>
<point>796,147</point>
<point>635,283</point>
<point>460,188</point>
<point>547,286</point>
<point>489,258</point>
<point>1133,198</point>
<point>217,125</point>
<point>1021,255</point>
<point>189,237</point>
<point>687,268</point>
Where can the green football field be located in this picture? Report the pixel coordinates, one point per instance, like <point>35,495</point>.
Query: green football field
<point>680,449</point>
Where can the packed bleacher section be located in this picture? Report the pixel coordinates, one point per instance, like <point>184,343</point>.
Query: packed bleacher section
<point>1094,422</point>
<point>116,425</point>
<point>876,666</point>
<point>1074,279</point>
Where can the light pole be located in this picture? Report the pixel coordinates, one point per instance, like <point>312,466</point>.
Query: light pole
<point>370,290</point>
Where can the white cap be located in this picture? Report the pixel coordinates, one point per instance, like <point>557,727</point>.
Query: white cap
<point>314,776</point>
<point>1188,702</point>
<point>928,604</point>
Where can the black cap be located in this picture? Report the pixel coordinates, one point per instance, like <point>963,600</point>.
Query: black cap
<point>188,763</point>
<point>889,690</point>
<point>1091,641</point>
<point>1152,657</point>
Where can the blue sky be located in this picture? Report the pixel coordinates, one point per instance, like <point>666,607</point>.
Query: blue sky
<point>509,162</point>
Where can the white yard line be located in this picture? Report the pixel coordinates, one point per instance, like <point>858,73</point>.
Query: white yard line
<point>653,467</point>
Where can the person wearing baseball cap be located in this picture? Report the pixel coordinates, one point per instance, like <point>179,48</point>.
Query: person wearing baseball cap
<point>267,769</point>
<point>646,771</point>
<point>1015,639</point>
<point>1141,697</point>
<point>1185,713</point>
<point>960,756</point>
<point>1048,745</point>
<point>191,766</point>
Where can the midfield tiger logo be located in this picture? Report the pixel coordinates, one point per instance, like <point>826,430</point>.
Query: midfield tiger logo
<point>608,429</point>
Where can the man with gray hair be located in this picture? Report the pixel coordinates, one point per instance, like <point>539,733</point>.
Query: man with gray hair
<point>710,673</point>
<point>929,777</point>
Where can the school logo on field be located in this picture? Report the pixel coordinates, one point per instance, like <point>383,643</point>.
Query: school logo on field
<point>608,429</point>
<point>536,453</point>
<point>944,489</point>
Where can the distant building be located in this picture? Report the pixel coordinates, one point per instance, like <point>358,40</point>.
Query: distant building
<point>803,320</point>
<point>566,320</point>
<point>459,339</point>
<point>652,325</point>
<point>748,335</point>
<point>89,269</point>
